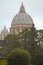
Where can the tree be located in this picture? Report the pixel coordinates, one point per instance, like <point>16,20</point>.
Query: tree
<point>24,37</point>
<point>39,59</point>
<point>25,40</point>
<point>10,42</point>
<point>19,57</point>
<point>28,39</point>
<point>32,41</point>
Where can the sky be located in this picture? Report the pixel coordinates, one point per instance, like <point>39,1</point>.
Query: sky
<point>9,8</point>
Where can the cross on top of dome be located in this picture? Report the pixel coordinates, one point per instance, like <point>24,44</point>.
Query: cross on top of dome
<point>22,8</point>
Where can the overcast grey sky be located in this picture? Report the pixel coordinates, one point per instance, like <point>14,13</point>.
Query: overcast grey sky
<point>9,8</point>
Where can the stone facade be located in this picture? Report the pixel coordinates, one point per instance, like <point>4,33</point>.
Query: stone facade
<point>21,21</point>
<point>19,28</point>
<point>3,33</point>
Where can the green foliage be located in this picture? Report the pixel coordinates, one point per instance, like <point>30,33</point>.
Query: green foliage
<point>10,42</point>
<point>31,64</point>
<point>25,36</point>
<point>41,31</point>
<point>32,41</point>
<point>28,39</point>
<point>1,42</point>
<point>3,62</point>
<point>25,40</point>
<point>39,59</point>
<point>19,57</point>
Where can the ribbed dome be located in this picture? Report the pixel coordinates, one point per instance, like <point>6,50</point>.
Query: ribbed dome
<point>4,30</point>
<point>22,17</point>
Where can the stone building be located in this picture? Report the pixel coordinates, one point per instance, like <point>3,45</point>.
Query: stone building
<point>3,33</point>
<point>21,21</point>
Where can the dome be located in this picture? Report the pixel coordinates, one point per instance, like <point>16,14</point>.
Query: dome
<point>22,17</point>
<point>4,30</point>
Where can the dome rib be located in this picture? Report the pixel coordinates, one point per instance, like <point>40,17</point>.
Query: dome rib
<point>22,17</point>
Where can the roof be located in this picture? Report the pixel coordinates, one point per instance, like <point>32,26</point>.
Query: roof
<point>22,17</point>
<point>4,30</point>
